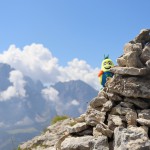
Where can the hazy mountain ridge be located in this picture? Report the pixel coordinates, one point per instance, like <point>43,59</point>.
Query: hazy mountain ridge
<point>32,112</point>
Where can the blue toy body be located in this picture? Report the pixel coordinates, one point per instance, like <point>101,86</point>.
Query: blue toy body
<point>104,76</point>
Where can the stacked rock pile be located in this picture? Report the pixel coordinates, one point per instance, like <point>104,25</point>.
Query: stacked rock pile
<point>119,117</point>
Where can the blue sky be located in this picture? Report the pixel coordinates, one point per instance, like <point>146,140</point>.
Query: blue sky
<point>83,29</point>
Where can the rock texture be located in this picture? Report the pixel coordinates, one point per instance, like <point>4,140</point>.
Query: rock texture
<point>118,118</point>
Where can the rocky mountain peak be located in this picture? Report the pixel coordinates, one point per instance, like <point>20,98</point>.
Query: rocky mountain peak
<point>118,118</point>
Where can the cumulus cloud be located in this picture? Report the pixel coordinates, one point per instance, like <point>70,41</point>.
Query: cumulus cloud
<point>37,62</point>
<point>75,102</point>
<point>25,121</point>
<point>50,94</point>
<point>17,87</point>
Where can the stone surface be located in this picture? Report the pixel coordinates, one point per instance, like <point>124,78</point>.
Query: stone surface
<point>114,97</point>
<point>144,114</point>
<point>131,118</point>
<point>77,127</point>
<point>99,143</point>
<point>143,37</point>
<point>133,138</point>
<point>107,106</point>
<point>93,116</point>
<point>130,71</point>
<point>119,110</point>
<point>104,129</point>
<point>129,47</point>
<point>77,143</point>
<point>145,56</point>
<point>139,102</point>
<point>98,101</point>
<point>130,86</point>
<point>115,121</point>
<point>144,122</point>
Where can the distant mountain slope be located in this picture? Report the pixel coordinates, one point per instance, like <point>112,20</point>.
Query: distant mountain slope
<point>26,108</point>
<point>74,96</point>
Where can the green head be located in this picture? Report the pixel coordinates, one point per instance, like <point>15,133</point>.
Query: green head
<point>106,64</point>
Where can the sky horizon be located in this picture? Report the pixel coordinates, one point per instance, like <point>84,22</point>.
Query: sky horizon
<point>75,33</point>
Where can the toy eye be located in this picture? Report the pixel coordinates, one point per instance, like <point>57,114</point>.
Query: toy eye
<point>109,63</point>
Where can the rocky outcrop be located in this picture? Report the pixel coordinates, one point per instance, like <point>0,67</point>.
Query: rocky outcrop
<point>118,118</point>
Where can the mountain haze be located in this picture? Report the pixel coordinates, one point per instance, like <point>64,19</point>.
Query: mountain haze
<point>27,106</point>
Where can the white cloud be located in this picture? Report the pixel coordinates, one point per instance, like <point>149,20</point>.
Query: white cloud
<point>75,102</point>
<point>25,121</point>
<point>50,94</point>
<point>2,124</point>
<point>17,88</point>
<point>37,62</point>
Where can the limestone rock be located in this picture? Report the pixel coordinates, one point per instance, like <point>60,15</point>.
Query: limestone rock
<point>93,117</point>
<point>99,143</point>
<point>114,97</point>
<point>130,86</point>
<point>119,110</point>
<point>144,114</point>
<point>115,121</point>
<point>74,143</point>
<point>139,102</point>
<point>104,129</point>
<point>130,71</point>
<point>131,118</point>
<point>144,122</point>
<point>131,47</point>
<point>127,105</point>
<point>77,127</point>
<point>133,138</point>
<point>145,56</point>
<point>143,37</point>
<point>107,106</point>
<point>148,64</point>
<point>98,101</point>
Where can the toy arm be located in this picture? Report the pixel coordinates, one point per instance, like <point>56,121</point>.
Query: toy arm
<point>100,76</point>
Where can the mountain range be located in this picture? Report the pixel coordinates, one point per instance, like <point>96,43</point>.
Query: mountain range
<point>27,106</point>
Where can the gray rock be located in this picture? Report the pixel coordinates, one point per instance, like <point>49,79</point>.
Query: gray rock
<point>144,122</point>
<point>145,56</point>
<point>121,61</point>
<point>131,118</point>
<point>127,105</point>
<point>139,102</point>
<point>130,47</point>
<point>144,114</point>
<point>143,37</point>
<point>133,138</point>
<point>114,96</point>
<point>107,106</point>
<point>148,64</point>
<point>104,129</point>
<point>77,143</point>
<point>93,116</point>
<point>130,86</point>
<point>132,59</point>
<point>77,127</point>
<point>100,143</point>
<point>115,121</point>
<point>119,110</point>
<point>130,71</point>
<point>98,101</point>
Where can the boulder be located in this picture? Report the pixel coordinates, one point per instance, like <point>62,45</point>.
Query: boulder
<point>133,138</point>
<point>130,71</point>
<point>130,86</point>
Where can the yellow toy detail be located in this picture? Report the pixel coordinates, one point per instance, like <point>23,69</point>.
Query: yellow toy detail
<point>105,70</point>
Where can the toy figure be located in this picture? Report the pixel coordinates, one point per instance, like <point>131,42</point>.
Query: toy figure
<point>105,70</point>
